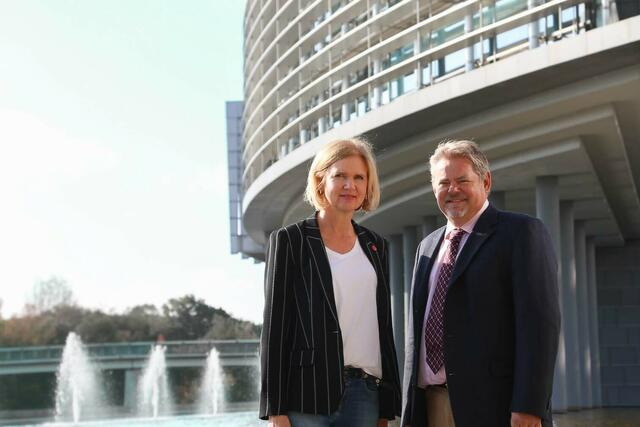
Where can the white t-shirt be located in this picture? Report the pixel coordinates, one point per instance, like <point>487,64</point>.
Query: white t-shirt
<point>354,288</point>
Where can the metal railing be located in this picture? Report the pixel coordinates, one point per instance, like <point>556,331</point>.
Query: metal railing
<point>468,35</point>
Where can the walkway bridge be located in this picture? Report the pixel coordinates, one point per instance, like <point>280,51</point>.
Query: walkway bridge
<point>130,356</point>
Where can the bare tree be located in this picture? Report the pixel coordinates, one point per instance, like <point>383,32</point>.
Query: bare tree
<point>47,294</point>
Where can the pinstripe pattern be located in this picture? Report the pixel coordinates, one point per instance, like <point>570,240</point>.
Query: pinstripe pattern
<point>301,344</point>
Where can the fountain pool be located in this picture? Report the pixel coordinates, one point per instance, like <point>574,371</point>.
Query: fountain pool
<point>231,419</point>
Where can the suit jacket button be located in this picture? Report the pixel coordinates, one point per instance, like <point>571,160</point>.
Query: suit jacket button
<point>450,374</point>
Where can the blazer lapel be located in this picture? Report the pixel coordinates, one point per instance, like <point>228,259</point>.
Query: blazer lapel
<point>482,230</point>
<point>320,262</point>
<point>422,273</point>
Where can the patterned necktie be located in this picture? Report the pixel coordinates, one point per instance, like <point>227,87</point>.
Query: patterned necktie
<point>434,326</point>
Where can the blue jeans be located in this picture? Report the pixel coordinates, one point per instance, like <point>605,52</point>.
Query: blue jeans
<point>358,407</point>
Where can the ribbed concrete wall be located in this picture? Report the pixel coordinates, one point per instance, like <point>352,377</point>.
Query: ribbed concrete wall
<point>618,271</point>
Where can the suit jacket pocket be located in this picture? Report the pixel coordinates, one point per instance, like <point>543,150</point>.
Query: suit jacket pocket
<point>501,368</point>
<point>304,357</point>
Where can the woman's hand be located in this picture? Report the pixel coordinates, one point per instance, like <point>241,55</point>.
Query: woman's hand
<point>279,421</point>
<point>383,422</point>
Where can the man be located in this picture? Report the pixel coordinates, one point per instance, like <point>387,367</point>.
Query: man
<point>484,319</point>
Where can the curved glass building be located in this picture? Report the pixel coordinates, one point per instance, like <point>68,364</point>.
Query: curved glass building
<point>550,90</point>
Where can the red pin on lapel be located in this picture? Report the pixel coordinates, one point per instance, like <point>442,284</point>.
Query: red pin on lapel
<point>373,248</point>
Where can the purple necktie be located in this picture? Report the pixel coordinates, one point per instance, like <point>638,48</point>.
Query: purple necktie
<point>434,326</point>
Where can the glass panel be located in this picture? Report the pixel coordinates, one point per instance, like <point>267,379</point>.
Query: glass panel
<point>454,61</point>
<point>507,8</point>
<point>426,78</point>
<point>409,82</point>
<point>512,37</point>
<point>385,94</point>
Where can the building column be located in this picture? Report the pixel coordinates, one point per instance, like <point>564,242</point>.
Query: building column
<point>377,91</point>
<point>322,125</point>
<point>533,27</point>
<point>468,27</point>
<point>429,225</point>
<point>497,199</point>
<point>569,306</point>
<point>593,323</point>
<point>345,106</point>
<point>548,210</point>
<point>131,377</point>
<point>409,245</point>
<point>418,69</point>
<point>396,271</point>
<point>606,12</point>
<point>582,290</point>
<point>304,137</point>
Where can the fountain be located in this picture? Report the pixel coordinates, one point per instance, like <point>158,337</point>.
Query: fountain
<point>211,394</point>
<point>77,383</point>
<point>154,396</point>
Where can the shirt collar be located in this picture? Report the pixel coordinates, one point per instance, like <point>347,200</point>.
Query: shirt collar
<point>468,227</point>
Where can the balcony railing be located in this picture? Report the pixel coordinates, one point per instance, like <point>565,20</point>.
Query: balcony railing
<point>457,40</point>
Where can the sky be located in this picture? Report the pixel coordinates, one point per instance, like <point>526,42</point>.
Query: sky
<point>113,168</point>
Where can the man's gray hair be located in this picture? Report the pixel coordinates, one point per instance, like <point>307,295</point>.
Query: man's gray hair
<point>461,148</point>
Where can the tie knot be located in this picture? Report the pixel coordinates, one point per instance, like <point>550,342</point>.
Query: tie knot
<point>455,235</point>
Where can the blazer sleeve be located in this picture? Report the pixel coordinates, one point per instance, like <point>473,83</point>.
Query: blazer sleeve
<point>278,310</point>
<point>537,318</point>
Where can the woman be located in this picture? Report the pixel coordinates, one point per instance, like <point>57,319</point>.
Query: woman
<point>327,351</point>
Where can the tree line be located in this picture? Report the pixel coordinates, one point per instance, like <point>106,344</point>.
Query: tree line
<point>52,313</point>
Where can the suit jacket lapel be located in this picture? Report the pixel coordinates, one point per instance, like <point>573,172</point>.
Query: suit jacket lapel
<point>422,273</point>
<point>482,230</point>
<point>320,261</point>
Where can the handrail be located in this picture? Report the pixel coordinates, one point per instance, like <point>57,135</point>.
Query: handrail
<point>466,39</point>
<point>451,13</point>
<point>301,66</point>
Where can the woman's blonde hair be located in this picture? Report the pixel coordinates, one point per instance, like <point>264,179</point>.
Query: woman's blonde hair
<point>333,152</point>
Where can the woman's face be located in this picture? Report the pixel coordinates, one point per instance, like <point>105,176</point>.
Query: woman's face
<point>345,184</point>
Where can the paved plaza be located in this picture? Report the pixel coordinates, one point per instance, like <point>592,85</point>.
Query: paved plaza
<point>606,417</point>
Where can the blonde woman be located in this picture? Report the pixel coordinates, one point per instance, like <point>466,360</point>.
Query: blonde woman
<point>327,351</point>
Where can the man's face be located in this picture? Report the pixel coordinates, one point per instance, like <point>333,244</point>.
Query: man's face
<point>460,192</point>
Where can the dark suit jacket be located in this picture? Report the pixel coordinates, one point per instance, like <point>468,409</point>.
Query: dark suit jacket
<point>501,323</point>
<point>301,345</point>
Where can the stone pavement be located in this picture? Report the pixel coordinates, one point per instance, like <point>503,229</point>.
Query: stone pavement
<point>604,417</point>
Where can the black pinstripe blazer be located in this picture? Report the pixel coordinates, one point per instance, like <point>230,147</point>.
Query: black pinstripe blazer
<point>301,346</point>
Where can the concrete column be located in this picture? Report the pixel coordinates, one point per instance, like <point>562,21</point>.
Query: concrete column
<point>593,323</point>
<point>345,106</point>
<point>582,289</point>
<point>418,70</point>
<point>396,271</point>
<point>606,12</point>
<point>548,210</point>
<point>409,245</point>
<point>304,137</point>
<point>533,27</point>
<point>468,27</point>
<point>569,306</point>
<point>429,225</point>
<point>497,199</point>
<point>131,377</point>
<point>377,91</point>
<point>322,125</point>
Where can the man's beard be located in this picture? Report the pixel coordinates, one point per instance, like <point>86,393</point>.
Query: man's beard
<point>456,212</point>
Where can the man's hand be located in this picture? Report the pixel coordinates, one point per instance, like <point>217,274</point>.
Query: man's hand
<point>279,421</point>
<point>383,422</point>
<point>519,419</point>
